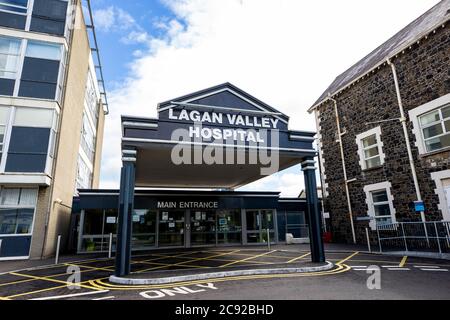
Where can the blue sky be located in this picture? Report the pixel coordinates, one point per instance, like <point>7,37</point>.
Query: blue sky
<point>284,52</point>
<point>117,54</point>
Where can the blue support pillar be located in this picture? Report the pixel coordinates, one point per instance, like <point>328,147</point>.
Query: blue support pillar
<point>126,205</point>
<point>313,212</point>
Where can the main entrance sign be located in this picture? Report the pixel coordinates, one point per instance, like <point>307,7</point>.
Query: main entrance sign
<point>188,204</point>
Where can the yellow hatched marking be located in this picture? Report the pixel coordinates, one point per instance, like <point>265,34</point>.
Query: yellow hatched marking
<point>298,258</point>
<point>51,280</point>
<point>188,261</point>
<point>249,258</point>
<point>347,258</point>
<point>402,263</point>
<point>89,267</point>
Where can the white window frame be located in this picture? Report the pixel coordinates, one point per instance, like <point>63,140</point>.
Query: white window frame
<point>18,206</point>
<point>21,57</point>
<point>438,176</point>
<point>71,10</point>
<point>414,116</point>
<point>368,189</point>
<point>359,141</point>
<point>7,137</point>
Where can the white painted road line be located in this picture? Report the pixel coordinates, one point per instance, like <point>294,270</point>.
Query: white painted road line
<point>391,266</point>
<point>360,269</point>
<point>424,269</point>
<point>104,298</point>
<point>399,269</point>
<point>358,266</point>
<point>427,267</point>
<point>72,295</point>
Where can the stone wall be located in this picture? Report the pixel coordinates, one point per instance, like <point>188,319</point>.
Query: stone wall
<point>424,75</point>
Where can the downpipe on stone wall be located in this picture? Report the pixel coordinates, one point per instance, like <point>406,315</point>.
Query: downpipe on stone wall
<point>347,193</point>
<point>405,132</point>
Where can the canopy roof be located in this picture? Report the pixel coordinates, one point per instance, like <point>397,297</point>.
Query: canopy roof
<point>224,111</point>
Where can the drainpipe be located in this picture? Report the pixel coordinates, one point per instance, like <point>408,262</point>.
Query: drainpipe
<point>405,132</point>
<point>346,181</point>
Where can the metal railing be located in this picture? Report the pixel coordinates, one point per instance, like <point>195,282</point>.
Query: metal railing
<point>431,236</point>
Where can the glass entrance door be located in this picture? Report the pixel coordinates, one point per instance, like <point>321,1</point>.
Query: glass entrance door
<point>171,228</point>
<point>203,228</point>
<point>258,221</point>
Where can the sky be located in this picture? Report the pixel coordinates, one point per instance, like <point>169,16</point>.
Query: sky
<point>284,52</point>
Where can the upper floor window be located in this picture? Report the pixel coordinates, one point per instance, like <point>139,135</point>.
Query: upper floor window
<point>370,148</point>
<point>14,6</point>
<point>43,50</point>
<point>435,127</point>
<point>9,57</point>
<point>431,125</point>
<point>4,117</point>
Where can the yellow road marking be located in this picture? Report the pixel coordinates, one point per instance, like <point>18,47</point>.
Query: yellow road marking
<point>184,262</point>
<point>349,257</point>
<point>102,285</point>
<point>51,280</point>
<point>1,298</point>
<point>249,258</point>
<point>251,255</point>
<point>209,259</point>
<point>89,267</point>
<point>402,263</point>
<point>168,264</point>
<point>16,282</point>
<point>298,258</point>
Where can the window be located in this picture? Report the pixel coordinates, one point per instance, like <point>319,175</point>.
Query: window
<point>380,203</point>
<point>4,117</point>
<point>91,98</point>
<point>33,117</point>
<point>17,206</point>
<point>14,6</point>
<point>43,50</point>
<point>431,125</point>
<point>88,138</point>
<point>370,148</point>
<point>9,57</point>
<point>84,175</point>
<point>435,128</point>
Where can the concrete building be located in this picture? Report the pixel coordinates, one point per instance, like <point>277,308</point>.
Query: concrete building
<point>52,115</point>
<point>384,132</point>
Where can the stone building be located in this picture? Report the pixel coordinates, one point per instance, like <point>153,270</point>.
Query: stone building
<point>384,132</point>
<point>52,111</point>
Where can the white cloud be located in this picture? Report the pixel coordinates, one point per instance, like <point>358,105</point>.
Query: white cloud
<point>285,52</point>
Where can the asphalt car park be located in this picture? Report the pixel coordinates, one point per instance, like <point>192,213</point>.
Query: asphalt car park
<point>88,278</point>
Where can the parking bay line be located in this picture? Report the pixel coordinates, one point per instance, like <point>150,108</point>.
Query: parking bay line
<point>403,261</point>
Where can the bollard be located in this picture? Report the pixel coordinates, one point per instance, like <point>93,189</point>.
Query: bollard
<point>110,246</point>
<point>58,243</point>
<point>268,238</point>
<point>0,246</point>
<point>368,240</point>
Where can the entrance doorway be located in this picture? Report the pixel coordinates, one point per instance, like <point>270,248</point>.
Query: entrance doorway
<point>258,221</point>
<point>171,228</point>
